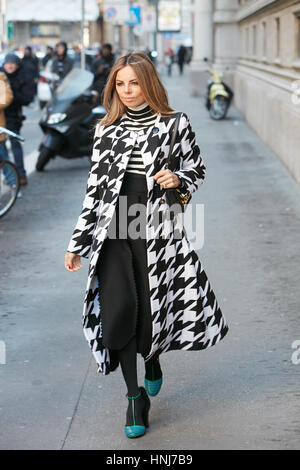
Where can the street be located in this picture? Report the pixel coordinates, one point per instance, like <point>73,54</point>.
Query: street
<point>242,393</point>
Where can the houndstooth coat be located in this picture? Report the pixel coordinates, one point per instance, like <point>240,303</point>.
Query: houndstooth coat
<point>185,312</point>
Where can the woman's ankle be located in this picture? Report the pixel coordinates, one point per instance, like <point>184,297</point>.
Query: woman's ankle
<point>133,394</point>
<point>152,369</point>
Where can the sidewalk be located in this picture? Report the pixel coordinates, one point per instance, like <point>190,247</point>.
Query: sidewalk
<point>241,394</point>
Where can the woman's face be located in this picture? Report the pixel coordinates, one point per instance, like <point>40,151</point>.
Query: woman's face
<point>128,88</point>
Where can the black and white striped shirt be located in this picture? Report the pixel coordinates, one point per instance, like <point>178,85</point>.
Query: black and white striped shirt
<point>137,118</point>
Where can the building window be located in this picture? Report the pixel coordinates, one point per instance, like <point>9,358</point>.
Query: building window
<point>254,40</point>
<point>298,35</point>
<point>247,41</point>
<point>296,61</point>
<point>45,30</point>
<point>264,39</point>
<point>277,38</point>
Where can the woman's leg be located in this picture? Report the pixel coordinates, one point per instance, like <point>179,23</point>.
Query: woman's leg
<point>138,400</point>
<point>128,363</point>
<point>152,368</point>
<point>17,149</point>
<point>118,305</point>
<point>117,293</point>
<point>144,318</point>
<point>9,175</point>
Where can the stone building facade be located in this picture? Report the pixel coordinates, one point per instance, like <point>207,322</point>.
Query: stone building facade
<point>256,44</point>
<point>40,24</point>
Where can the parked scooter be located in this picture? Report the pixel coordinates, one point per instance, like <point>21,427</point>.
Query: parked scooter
<point>69,119</point>
<point>218,96</point>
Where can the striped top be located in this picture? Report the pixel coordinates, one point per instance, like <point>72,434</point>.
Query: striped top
<point>137,118</point>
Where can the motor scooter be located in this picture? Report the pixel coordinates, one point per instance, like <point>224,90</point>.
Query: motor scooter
<point>218,96</point>
<point>70,118</point>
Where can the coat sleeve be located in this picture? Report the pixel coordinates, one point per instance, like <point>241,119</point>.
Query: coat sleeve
<point>6,94</point>
<point>81,240</point>
<point>192,171</point>
<point>24,92</point>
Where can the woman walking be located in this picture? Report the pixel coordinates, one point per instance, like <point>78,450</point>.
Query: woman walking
<point>146,292</point>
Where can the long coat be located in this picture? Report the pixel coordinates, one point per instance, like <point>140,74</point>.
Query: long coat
<point>185,311</point>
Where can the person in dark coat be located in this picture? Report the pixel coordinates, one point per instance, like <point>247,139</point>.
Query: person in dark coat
<point>23,95</point>
<point>181,57</point>
<point>101,67</point>
<point>62,63</point>
<point>7,97</point>
<point>147,291</point>
<point>31,66</point>
<point>49,55</point>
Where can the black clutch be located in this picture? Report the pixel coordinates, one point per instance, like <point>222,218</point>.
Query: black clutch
<point>175,197</point>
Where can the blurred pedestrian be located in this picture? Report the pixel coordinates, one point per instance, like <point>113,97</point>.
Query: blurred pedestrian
<point>102,66</point>
<point>181,58</point>
<point>77,56</point>
<point>31,66</point>
<point>148,52</point>
<point>23,95</point>
<point>49,55</point>
<point>105,60</point>
<point>62,64</point>
<point>169,54</point>
<point>189,54</point>
<point>6,97</point>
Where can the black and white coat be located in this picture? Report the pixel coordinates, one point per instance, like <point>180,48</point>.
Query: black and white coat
<point>185,312</point>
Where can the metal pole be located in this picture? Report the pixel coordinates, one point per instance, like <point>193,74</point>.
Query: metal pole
<point>156,25</point>
<point>156,30</point>
<point>3,27</point>
<point>82,35</point>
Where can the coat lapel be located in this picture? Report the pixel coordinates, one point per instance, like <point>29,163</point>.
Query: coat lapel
<point>151,141</point>
<point>124,140</point>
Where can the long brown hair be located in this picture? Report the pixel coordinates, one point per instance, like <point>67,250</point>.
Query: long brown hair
<point>154,92</point>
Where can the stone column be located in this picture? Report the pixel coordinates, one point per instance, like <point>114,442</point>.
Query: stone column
<point>202,46</point>
<point>226,39</point>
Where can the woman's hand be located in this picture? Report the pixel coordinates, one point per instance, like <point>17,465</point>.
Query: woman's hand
<point>167,179</point>
<point>72,261</point>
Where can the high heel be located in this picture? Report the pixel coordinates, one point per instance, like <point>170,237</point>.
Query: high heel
<point>137,419</point>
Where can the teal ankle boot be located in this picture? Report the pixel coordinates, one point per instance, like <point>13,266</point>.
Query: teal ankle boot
<point>137,419</point>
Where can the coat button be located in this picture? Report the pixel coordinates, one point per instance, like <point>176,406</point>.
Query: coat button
<point>155,130</point>
<point>161,201</point>
<point>119,133</point>
<point>111,159</point>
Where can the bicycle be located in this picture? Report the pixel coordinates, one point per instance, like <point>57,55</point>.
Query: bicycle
<point>9,179</point>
